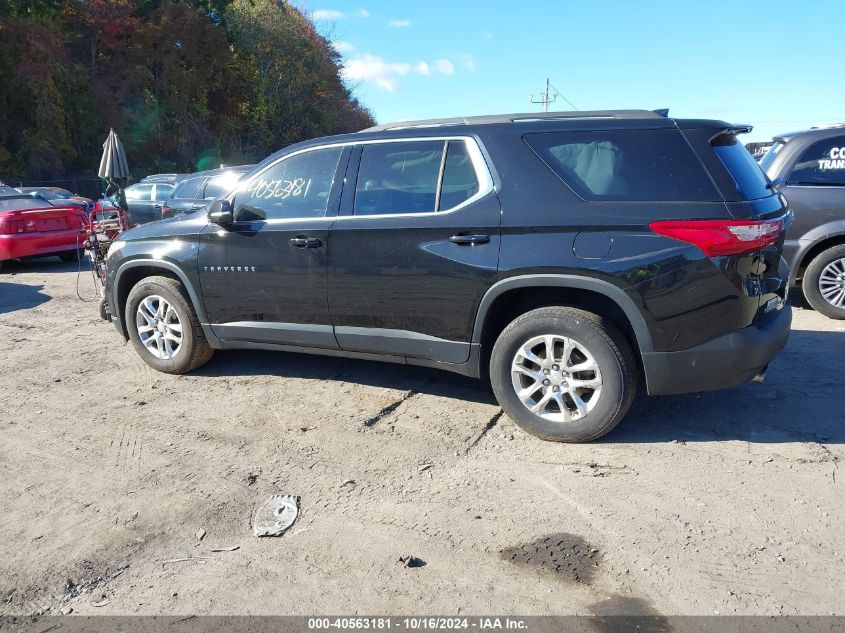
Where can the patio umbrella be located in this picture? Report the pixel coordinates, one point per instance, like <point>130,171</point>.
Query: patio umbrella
<point>113,163</point>
<point>113,167</point>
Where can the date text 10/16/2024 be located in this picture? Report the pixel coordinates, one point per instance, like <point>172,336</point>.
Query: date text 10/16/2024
<point>417,624</point>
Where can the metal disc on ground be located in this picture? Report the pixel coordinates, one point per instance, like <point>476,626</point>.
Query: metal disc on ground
<point>276,515</point>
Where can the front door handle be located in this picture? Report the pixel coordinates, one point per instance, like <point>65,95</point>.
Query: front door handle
<point>469,239</point>
<point>306,242</point>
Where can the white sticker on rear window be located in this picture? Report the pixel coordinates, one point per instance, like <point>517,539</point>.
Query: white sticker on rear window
<point>836,160</point>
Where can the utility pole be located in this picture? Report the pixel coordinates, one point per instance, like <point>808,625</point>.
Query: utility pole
<point>546,100</point>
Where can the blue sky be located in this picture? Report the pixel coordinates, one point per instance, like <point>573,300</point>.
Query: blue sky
<point>777,64</point>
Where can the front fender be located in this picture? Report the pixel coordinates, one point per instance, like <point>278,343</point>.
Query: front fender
<point>176,256</point>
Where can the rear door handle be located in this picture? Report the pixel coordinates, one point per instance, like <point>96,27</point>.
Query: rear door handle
<point>306,242</point>
<point>469,239</point>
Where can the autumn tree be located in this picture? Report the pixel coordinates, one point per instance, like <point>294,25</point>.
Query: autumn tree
<point>185,83</point>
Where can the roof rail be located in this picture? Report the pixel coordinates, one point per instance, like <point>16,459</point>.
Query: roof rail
<point>524,117</point>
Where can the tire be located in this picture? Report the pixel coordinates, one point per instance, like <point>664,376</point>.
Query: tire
<point>165,305</point>
<point>824,282</point>
<point>592,342</point>
<point>70,256</point>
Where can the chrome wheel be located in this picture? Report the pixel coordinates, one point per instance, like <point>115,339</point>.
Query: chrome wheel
<point>159,327</point>
<point>556,378</point>
<point>832,283</point>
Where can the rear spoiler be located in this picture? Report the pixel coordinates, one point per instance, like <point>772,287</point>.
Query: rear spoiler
<point>732,130</point>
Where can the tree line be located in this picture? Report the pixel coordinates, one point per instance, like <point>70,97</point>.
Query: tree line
<point>185,84</point>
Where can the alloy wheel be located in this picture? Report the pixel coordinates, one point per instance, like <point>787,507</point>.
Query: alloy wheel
<point>556,378</point>
<point>832,283</point>
<point>159,327</point>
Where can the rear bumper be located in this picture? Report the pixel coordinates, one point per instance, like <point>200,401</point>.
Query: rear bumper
<point>20,245</point>
<point>726,361</point>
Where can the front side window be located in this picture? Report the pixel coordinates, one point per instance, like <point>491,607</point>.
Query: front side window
<point>295,187</point>
<point>139,192</point>
<point>398,177</point>
<point>625,165</point>
<point>822,164</point>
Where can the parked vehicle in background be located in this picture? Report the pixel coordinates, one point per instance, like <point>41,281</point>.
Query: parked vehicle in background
<point>4,188</point>
<point>166,178</point>
<point>809,168</point>
<point>145,199</point>
<point>758,155</point>
<point>200,189</point>
<point>567,255</point>
<point>31,227</point>
<point>60,195</point>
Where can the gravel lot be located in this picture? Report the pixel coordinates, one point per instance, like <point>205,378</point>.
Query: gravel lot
<point>728,502</point>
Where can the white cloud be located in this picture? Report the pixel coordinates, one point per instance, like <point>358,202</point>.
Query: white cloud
<point>399,24</point>
<point>372,69</point>
<point>467,61</point>
<point>327,14</point>
<point>444,67</point>
<point>343,47</point>
<point>363,13</point>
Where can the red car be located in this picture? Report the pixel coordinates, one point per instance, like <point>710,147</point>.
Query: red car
<point>32,227</point>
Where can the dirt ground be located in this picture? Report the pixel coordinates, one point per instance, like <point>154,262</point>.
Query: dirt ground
<point>728,502</point>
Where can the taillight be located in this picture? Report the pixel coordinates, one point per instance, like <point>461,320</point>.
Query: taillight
<point>10,227</point>
<point>722,237</point>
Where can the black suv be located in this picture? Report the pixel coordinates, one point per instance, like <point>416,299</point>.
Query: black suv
<point>810,168</point>
<point>567,256</point>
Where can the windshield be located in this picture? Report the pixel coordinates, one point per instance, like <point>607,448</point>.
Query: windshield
<point>769,156</point>
<point>221,184</point>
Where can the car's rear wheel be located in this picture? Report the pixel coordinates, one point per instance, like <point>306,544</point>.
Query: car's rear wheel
<point>71,256</point>
<point>164,328</point>
<point>824,282</point>
<point>563,374</point>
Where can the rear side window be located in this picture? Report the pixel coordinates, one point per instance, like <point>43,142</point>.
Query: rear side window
<point>460,182</point>
<point>162,192</point>
<point>625,165</point>
<point>188,189</point>
<point>398,178</point>
<point>750,179</point>
<point>139,192</point>
<point>821,164</point>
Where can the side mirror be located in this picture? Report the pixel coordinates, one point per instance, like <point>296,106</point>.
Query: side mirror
<point>220,212</point>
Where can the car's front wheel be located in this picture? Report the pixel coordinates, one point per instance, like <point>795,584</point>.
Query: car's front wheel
<point>164,328</point>
<point>824,282</point>
<point>563,374</point>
